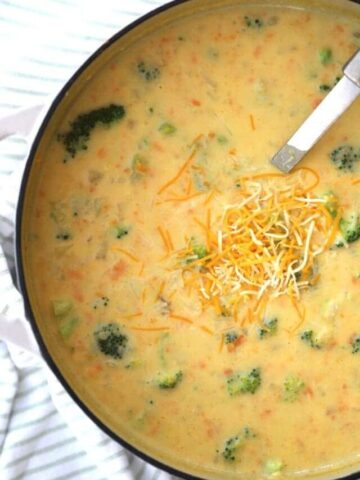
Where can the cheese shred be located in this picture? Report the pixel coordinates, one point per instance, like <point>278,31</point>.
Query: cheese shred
<point>265,245</point>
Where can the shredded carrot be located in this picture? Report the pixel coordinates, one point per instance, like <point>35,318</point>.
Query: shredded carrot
<point>149,329</point>
<point>334,230</point>
<point>206,329</point>
<point>188,188</point>
<point>181,318</point>
<point>300,313</point>
<point>161,289</point>
<point>169,239</point>
<point>125,252</point>
<point>252,122</point>
<point>355,182</point>
<point>133,315</point>
<point>182,199</point>
<point>197,139</point>
<point>117,270</point>
<point>210,197</point>
<point>141,271</point>
<point>221,342</point>
<point>164,238</point>
<point>179,173</point>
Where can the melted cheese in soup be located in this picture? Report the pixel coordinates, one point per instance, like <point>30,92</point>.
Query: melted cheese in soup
<point>206,309</point>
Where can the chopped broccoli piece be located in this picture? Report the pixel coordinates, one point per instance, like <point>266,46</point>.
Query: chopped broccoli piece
<point>350,229</point>
<point>269,328</point>
<point>326,87</point>
<point>147,71</point>
<point>169,380</point>
<point>253,22</point>
<point>325,55</point>
<point>139,166</point>
<point>77,137</point>
<point>110,341</point>
<point>200,251</point>
<point>308,337</point>
<point>273,466</point>
<point>344,157</point>
<point>167,129</point>
<point>121,231</point>
<point>64,235</point>
<point>244,382</point>
<point>293,386</point>
<point>231,337</point>
<point>61,306</point>
<point>67,326</point>
<point>331,203</point>
<point>222,140</point>
<point>101,302</point>
<point>355,344</point>
<point>234,443</point>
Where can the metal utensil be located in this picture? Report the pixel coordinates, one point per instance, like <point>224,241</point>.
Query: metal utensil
<point>334,104</point>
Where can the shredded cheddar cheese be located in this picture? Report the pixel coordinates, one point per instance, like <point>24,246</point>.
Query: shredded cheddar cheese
<point>264,245</point>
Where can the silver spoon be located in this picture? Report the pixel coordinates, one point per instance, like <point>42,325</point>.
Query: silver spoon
<point>334,104</point>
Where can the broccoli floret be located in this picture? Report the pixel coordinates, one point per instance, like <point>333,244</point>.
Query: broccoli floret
<point>293,386</point>
<point>350,228</point>
<point>167,128</point>
<point>331,203</point>
<point>147,71</point>
<point>308,337</point>
<point>325,55</point>
<point>169,380</point>
<point>253,22</point>
<point>110,341</point>
<point>121,231</point>
<point>247,382</point>
<point>273,466</point>
<point>355,344</point>
<point>79,134</point>
<point>269,328</point>
<point>344,157</point>
<point>234,443</point>
<point>230,337</point>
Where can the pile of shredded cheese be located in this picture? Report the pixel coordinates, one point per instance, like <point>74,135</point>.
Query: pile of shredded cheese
<point>264,245</point>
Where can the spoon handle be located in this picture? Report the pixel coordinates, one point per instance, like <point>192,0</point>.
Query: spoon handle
<point>328,111</point>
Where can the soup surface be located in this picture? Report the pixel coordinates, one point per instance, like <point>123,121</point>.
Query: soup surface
<point>206,310</point>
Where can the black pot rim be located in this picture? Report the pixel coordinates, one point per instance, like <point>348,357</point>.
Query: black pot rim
<point>19,257</point>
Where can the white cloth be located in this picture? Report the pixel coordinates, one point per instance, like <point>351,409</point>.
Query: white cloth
<point>43,434</point>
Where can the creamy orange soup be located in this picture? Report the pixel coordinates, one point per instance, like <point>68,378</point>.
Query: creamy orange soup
<point>205,306</point>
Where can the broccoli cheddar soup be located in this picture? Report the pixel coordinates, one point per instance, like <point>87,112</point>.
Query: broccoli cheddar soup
<point>202,304</point>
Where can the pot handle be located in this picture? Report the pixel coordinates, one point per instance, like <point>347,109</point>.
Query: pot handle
<point>14,330</point>
<point>21,122</point>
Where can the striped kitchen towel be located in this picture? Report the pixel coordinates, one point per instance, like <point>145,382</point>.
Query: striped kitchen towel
<point>43,433</point>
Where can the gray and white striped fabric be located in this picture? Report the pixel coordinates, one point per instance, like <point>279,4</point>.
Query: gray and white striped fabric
<point>43,433</point>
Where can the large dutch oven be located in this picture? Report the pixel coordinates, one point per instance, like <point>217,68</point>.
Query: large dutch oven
<point>126,37</point>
